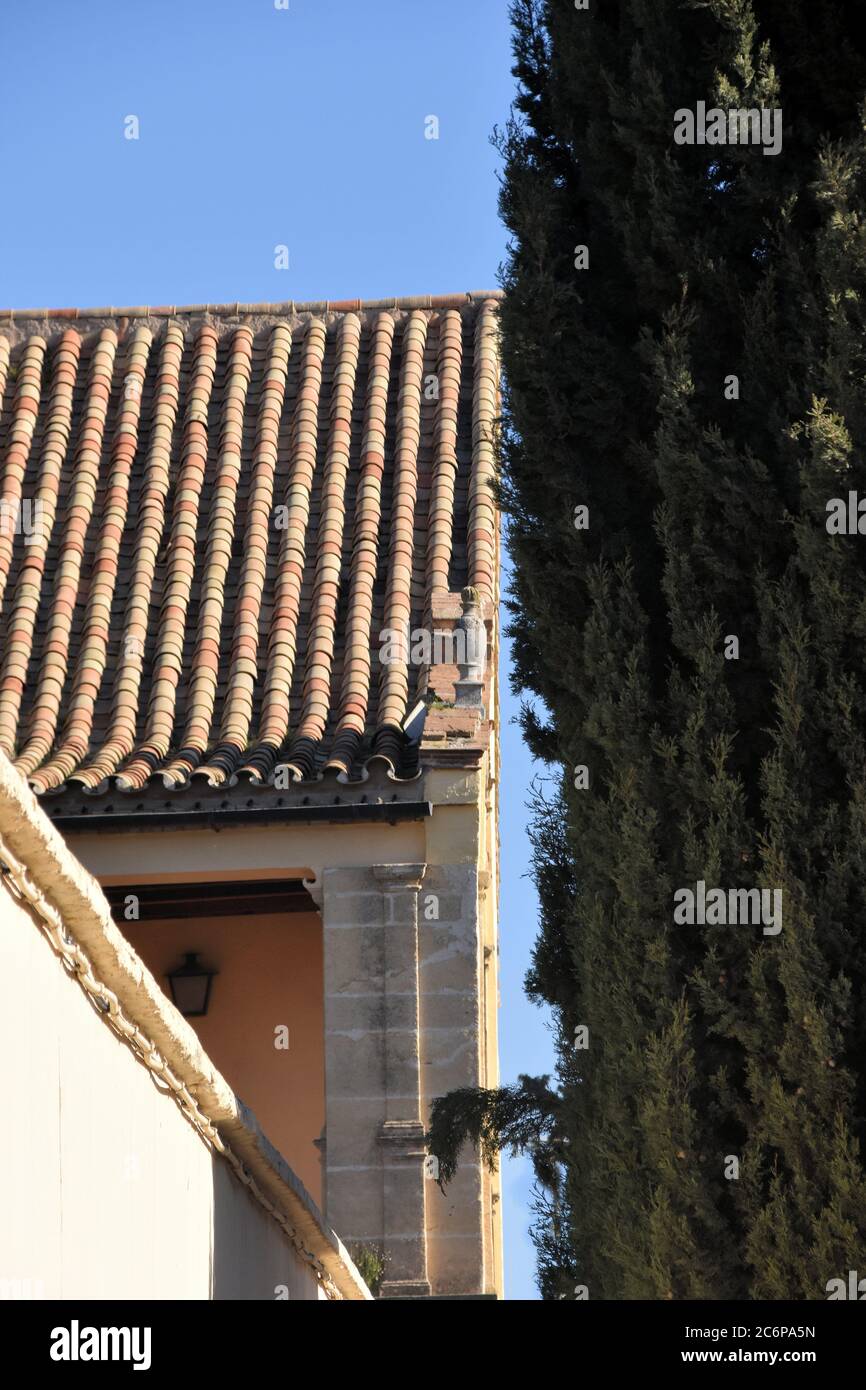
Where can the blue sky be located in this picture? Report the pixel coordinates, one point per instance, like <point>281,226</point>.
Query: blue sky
<point>262,127</point>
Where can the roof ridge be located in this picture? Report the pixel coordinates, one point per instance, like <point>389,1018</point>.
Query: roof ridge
<point>286,306</point>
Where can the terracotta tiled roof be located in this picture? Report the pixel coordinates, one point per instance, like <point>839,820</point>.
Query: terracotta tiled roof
<point>208,516</point>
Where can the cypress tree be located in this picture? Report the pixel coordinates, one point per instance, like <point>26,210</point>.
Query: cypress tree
<point>684,353</point>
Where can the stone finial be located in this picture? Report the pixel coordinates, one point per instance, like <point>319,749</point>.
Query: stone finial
<point>469,689</point>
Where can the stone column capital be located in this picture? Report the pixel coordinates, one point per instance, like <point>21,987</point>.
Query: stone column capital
<point>405,1137</point>
<point>397,878</point>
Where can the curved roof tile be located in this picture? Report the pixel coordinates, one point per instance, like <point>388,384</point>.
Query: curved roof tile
<point>209,517</point>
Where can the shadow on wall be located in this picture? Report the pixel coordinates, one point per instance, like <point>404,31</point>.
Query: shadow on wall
<point>251,1258</point>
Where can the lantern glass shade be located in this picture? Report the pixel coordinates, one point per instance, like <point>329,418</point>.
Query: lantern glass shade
<point>190,986</point>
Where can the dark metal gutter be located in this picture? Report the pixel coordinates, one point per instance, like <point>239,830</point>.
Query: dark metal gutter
<point>370,813</point>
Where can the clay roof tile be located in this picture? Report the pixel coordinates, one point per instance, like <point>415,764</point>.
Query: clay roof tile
<point>210,517</point>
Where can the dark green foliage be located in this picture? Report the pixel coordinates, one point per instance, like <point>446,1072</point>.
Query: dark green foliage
<point>519,1118</point>
<point>370,1264</point>
<point>707,518</point>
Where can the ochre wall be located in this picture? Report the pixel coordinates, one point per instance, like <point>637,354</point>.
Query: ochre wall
<point>270,974</point>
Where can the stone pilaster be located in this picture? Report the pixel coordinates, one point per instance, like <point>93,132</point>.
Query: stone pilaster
<point>374,1150</point>
<point>354,977</point>
<point>401,1134</point>
<point>451,955</point>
